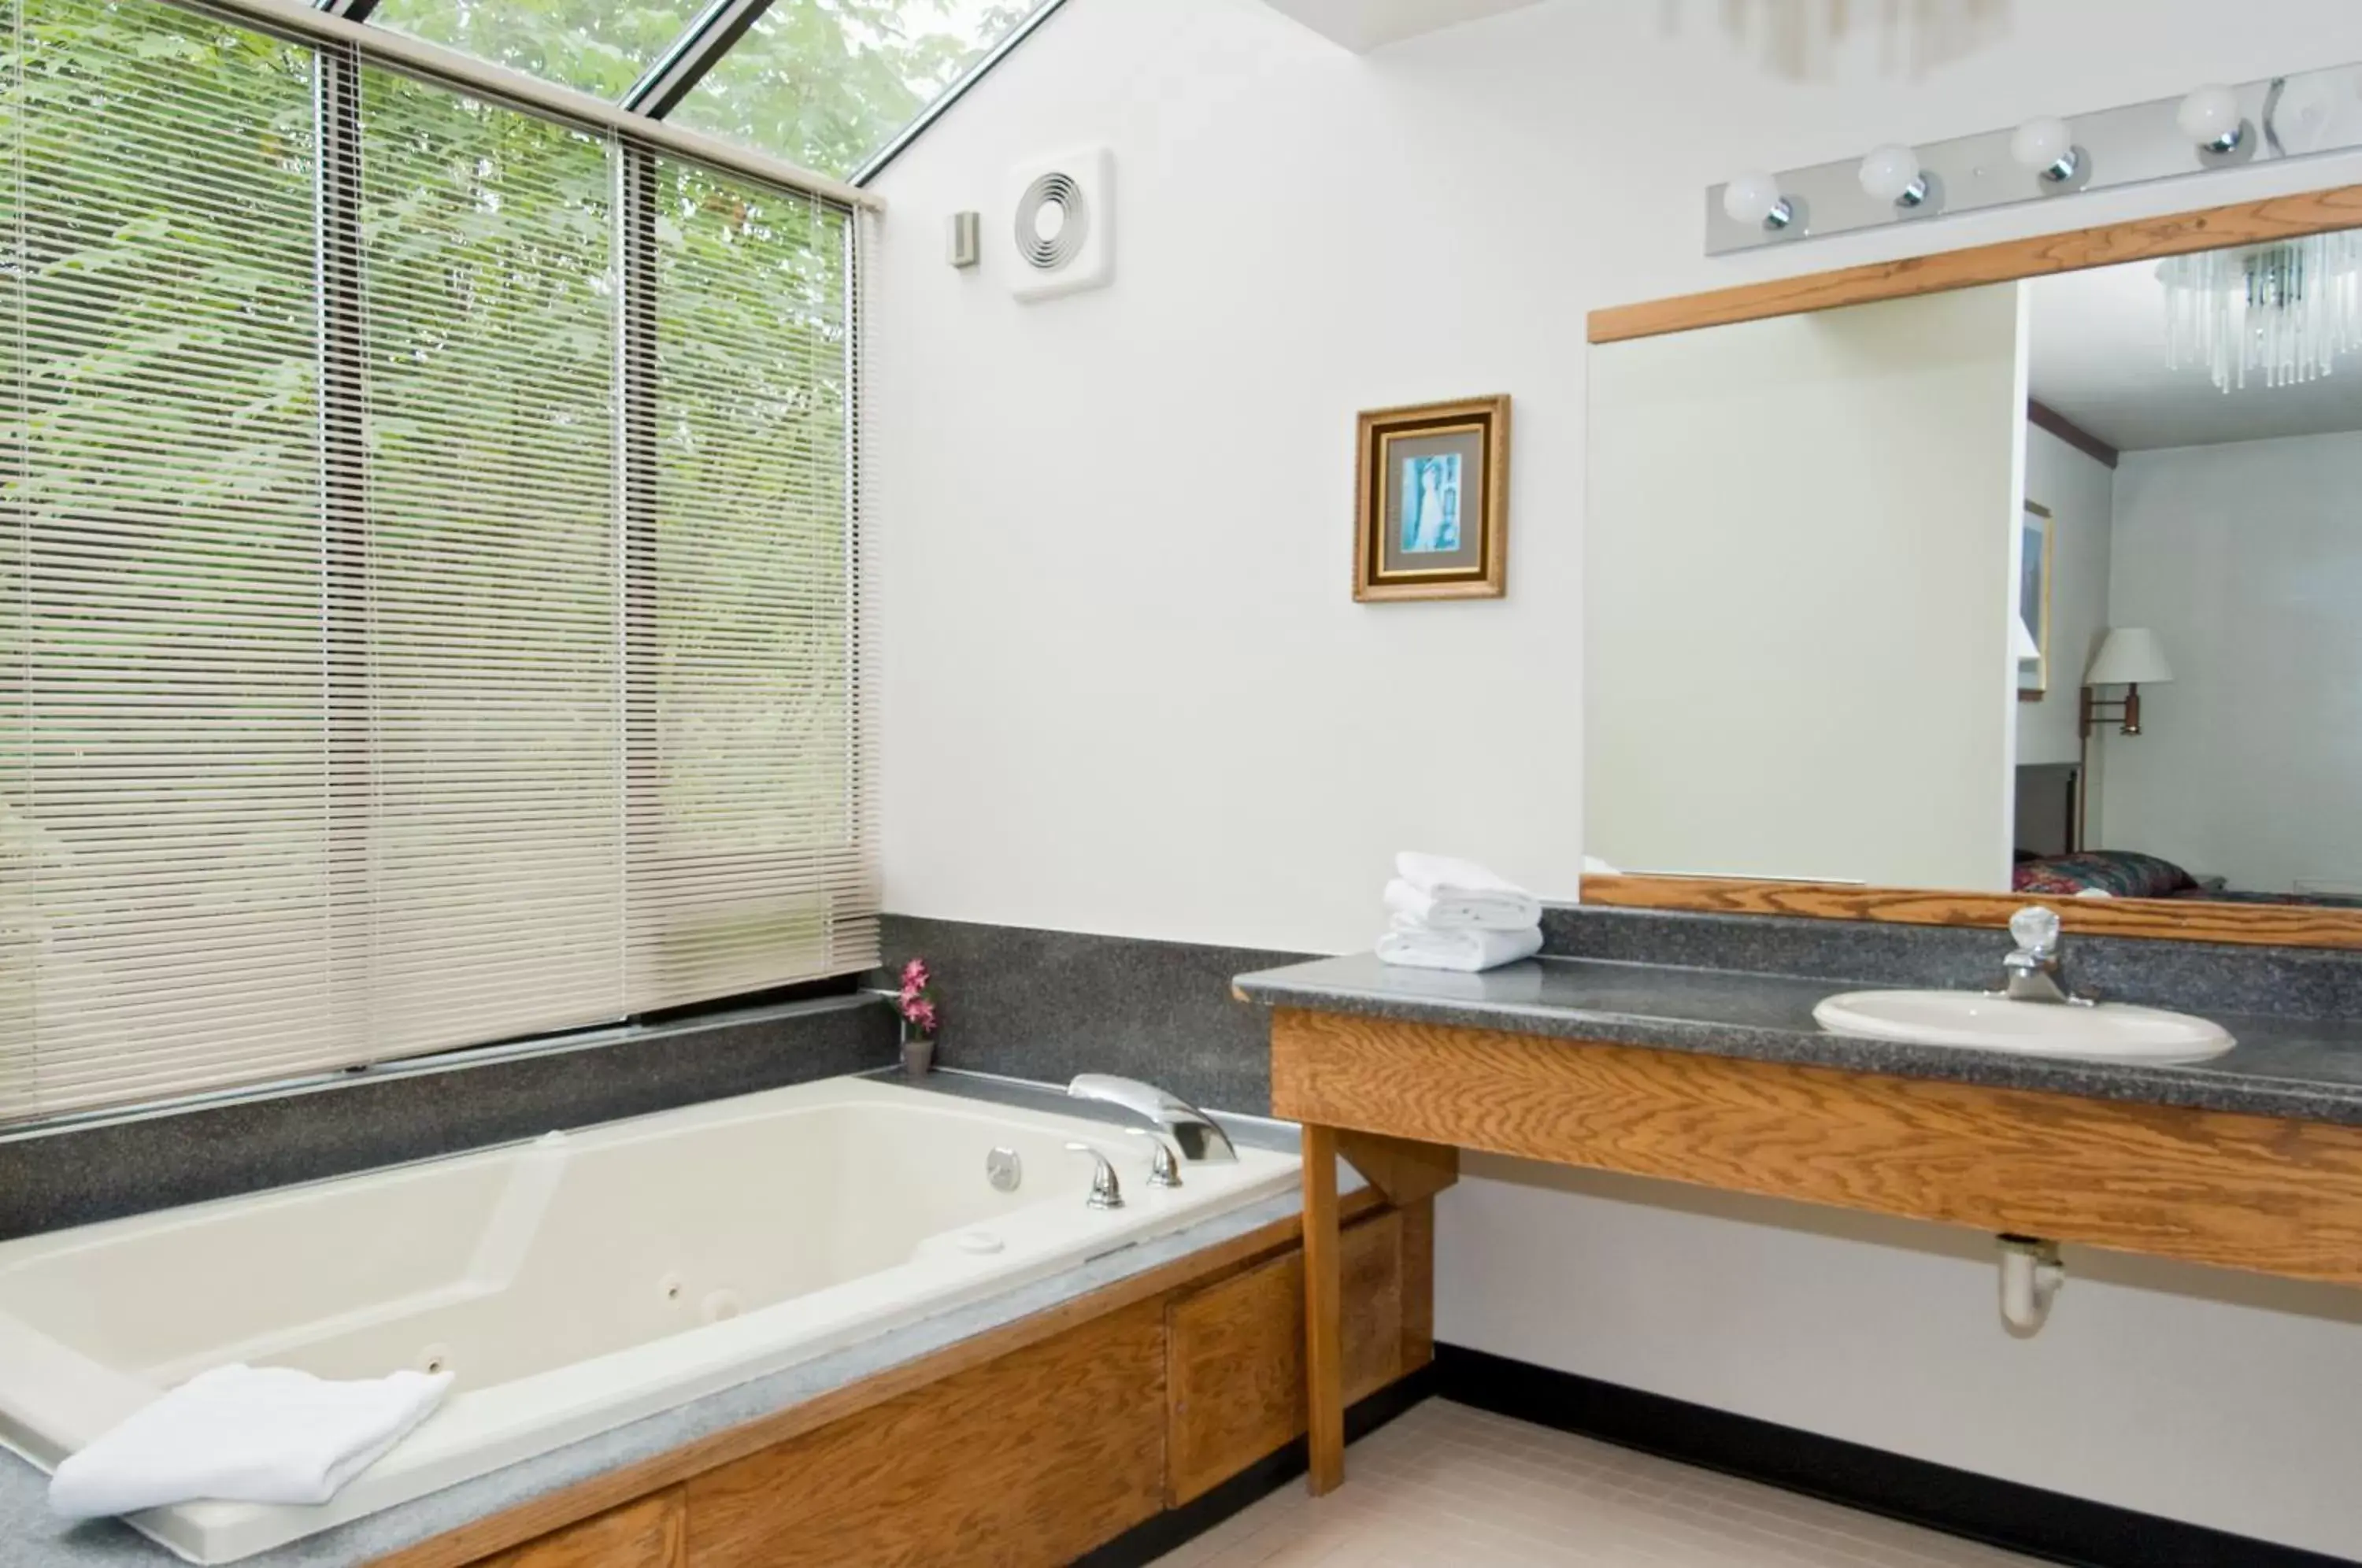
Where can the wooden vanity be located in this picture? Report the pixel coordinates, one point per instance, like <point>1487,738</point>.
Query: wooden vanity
<point>1399,1099</point>
<point>1397,1072</point>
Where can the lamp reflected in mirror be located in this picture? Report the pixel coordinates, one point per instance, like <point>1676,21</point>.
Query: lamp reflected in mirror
<point>2129,656</point>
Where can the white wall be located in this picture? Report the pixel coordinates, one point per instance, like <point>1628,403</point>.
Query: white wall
<point>1126,690</point>
<point>2200,1395</point>
<point>2246,560</point>
<point>2080,489</point>
<point>1739,619</point>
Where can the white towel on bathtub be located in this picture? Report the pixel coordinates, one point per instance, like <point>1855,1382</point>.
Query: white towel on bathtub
<point>1466,951</point>
<point>1443,893</point>
<point>245,1434</point>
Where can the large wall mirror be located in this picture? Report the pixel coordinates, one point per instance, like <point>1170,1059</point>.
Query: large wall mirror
<point>2049,586</point>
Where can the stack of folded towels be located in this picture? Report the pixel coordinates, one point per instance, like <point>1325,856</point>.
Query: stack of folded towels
<point>1453,914</point>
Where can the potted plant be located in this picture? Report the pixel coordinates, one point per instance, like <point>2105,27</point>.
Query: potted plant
<point>919,1020</point>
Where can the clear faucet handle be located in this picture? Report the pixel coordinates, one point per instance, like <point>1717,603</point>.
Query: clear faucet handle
<point>2036,928</point>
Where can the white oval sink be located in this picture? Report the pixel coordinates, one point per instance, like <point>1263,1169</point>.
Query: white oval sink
<point>2110,1031</point>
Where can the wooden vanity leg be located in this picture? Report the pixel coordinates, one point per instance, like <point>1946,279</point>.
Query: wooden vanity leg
<point>1323,1311</point>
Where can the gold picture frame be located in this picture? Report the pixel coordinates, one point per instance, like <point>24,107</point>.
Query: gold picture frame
<point>1432,501</point>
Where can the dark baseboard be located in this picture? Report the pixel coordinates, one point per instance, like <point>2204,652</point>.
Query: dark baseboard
<point>2020,1518</point>
<point>1151,1539</point>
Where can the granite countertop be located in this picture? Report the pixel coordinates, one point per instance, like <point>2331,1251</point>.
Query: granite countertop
<point>2303,1069</point>
<point>33,1536</point>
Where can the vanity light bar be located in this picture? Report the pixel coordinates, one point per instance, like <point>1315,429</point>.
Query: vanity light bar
<point>2213,126</point>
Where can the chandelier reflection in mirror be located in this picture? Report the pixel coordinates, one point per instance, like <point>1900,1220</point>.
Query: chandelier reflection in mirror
<point>2280,313</point>
<point>1801,38</point>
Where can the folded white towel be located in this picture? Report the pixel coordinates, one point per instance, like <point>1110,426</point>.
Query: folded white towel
<point>245,1434</point>
<point>1413,909</point>
<point>1455,890</point>
<point>1465,951</point>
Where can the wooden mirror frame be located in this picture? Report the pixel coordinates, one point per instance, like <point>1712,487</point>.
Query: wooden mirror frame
<point>2178,234</point>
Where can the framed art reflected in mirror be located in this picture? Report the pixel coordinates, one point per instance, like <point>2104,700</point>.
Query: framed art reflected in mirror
<point>2033,536</point>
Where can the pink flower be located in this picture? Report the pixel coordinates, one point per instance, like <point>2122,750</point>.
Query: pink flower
<point>915,976</point>
<point>922,1015</point>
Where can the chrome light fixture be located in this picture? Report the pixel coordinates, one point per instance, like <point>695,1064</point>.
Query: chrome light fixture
<point>2209,116</point>
<point>1891,173</point>
<point>1754,197</point>
<point>2047,147</point>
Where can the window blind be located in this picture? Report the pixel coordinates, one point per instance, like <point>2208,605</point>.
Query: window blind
<point>428,576</point>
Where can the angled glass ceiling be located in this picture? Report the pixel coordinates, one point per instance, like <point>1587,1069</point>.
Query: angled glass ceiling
<point>827,83</point>
<point>588,45</point>
<point>823,83</point>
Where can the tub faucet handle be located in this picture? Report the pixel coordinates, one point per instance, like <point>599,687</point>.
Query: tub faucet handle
<point>1106,1191</point>
<point>1163,1165</point>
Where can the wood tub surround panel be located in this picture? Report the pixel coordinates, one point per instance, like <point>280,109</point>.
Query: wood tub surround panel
<point>1034,1458</point>
<point>1031,1443</point>
<point>1418,1285</point>
<point>2213,1187</point>
<point>1236,1350</point>
<point>650,1533</point>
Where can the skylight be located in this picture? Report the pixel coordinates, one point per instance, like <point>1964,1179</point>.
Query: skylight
<point>823,83</point>
<point>588,45</point>
<point>827,83</point>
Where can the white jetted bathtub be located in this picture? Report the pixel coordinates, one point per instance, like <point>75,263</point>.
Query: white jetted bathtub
<point>573,1283</point>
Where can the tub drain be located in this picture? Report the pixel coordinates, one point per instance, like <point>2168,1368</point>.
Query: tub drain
<point>434,1358</point>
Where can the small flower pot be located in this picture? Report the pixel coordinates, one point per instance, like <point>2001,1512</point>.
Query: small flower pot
<point>918,1052</point>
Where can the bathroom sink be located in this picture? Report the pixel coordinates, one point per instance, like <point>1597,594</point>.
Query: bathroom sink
<point>2110,1031</point>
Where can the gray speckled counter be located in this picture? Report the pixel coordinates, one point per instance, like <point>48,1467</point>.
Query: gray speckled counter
<point>2308,1069</point>
<point>32,1537</point>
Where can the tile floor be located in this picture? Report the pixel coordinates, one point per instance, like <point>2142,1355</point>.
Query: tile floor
<point>1444,1483</point>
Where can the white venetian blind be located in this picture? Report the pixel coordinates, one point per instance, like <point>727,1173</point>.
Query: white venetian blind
<point>426,570</point>
<point>747,800</point>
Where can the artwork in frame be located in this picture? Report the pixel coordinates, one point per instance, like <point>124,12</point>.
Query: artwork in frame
<point>2034,541</point>
<point>1432,501</point>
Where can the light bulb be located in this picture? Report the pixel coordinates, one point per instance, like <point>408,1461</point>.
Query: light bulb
<point>1754,197</point>
<point>2209,116</point>
<point>1891,173</point>
<point>2044,147</point>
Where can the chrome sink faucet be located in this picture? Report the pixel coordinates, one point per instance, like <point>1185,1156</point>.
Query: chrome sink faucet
<point>1191,1130</point>
<point>2034,971</point>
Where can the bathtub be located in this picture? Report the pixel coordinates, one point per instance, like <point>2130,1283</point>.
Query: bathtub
<point>573,1283</point>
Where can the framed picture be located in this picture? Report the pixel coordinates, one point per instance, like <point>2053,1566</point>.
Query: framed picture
<point>2035,532</point>
<point>1432,501</point>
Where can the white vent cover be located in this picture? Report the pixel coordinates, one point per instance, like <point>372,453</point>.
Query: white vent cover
<point>1062,224</point>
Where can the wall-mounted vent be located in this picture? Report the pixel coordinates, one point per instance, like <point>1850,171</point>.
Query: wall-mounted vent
<point>1062,220</point>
